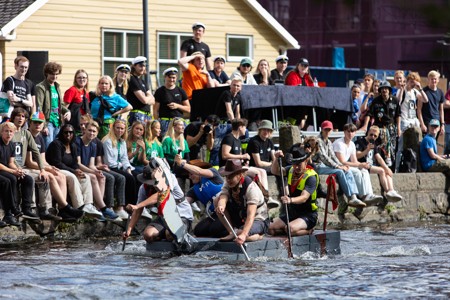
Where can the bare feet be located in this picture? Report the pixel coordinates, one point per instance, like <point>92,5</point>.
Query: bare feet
<point>228,238</point>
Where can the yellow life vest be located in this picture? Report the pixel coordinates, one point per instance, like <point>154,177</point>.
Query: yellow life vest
<point>301,185</point>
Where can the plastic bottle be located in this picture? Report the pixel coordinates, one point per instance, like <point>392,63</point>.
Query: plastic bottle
<point>316,83</point>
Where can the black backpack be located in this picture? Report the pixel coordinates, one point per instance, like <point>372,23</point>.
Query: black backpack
<point>408,161</point>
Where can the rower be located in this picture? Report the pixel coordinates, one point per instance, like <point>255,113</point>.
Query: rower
<point>160,187</point>
<point>302,183</point>
<point>207,184</point>
<point>242,202</point>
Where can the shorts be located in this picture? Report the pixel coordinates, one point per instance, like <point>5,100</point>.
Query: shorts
<point>259,227</point>
<point>310,219</point>
<point>159,225</point>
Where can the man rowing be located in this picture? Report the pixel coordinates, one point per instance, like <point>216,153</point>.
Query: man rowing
<point>302,183</point>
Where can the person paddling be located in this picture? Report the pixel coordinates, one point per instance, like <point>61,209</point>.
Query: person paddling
<point>302,183</point>
<point>242,201</point>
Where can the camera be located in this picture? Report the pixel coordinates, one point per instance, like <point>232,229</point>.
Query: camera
<point>372,141</point>
<point>207,128</point>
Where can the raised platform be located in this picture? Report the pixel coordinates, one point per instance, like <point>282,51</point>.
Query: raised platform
<point>319,242</point>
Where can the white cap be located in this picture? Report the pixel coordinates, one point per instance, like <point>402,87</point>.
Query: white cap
<point>198,24</point>
<point>123,67</point>
<point>139,59</point>
<point>281,57</point>
<point>220,57</point>
<point>170,70</point>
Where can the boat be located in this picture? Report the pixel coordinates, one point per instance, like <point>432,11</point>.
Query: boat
<point>320,242</point>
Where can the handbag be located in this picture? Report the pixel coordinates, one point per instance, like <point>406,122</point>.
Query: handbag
<point>5,106</point>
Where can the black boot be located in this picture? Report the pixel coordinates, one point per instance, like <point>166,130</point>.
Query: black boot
<point>76,213</point>
<point>66,215</point>
<point>48,214</point>
<point>11,220</point>
<point>29,214</point>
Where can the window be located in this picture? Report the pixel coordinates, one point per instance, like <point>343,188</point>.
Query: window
<point>169,45</point>
<point>120,47</point>
<point>238,47</point>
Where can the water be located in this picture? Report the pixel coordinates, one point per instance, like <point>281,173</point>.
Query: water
<point>377,263</point>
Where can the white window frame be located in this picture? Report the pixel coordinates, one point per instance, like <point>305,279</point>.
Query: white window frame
<point>123,58</point>
<point>165,60</point>
<point>238,36</point>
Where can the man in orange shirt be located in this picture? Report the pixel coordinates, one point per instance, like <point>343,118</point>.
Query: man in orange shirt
<point>194,75</point>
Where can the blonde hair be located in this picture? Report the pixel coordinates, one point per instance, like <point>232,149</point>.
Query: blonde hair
<point>375,128</point>
<point>399,72</point>
<point>130,138</point>
<point>124,84</point>
<point>93,124</point>
<point>8,124</point>
<point>86,117</point>
<point>259,63</point>
<point>171,133</point>
<point>75,84</point>
<point>111,90</point>
<point>112,135</point>
<point>433,74</point>
<point>149,136</point>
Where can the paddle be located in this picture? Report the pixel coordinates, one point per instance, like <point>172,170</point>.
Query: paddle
<point>235,236</point>
<point>126,228</point>
<point>286,208</point>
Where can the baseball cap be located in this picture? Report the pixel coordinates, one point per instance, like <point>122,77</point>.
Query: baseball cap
<point>139,59</point>
<point>303,61</point>
<point>39,117</point>
<point>326,125</point>
<point>246,61</point>
<point>434,122</point>
<point>220,57</point>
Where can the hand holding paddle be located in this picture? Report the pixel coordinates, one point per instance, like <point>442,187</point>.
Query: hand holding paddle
<point>236,237</point>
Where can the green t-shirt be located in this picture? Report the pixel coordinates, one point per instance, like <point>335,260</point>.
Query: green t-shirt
<point>153,150</point>
<point>54,108</point>
<point>170,150</point>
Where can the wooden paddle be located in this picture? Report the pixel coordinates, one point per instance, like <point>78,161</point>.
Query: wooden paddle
<point>286,207</point>
<point>126,228</point>
<point>235,236</point>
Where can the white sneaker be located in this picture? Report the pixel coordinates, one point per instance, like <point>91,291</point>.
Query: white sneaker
<point>195,207</point>
<point>355,202</point>
<point>393,196</point>
<point>91,211</point>
<point>146,214</point>
<point>372,199</point>
<point>122,214</point>
<point>388,161</point>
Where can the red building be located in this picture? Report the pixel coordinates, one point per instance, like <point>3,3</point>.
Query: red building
<point>378,34</point>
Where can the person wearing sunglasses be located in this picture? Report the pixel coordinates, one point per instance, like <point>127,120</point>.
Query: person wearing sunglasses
<point>62,153</point>
<point>368,151</point>
<point>244,71</point>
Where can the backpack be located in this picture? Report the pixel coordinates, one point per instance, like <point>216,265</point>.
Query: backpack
<point>408,161</point>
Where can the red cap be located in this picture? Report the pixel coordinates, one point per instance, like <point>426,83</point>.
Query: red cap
<point>327,125</point>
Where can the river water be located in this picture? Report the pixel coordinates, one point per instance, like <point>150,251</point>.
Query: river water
<point>376,262</point>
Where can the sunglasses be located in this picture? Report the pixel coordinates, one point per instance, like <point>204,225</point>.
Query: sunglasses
<point>246,65</point>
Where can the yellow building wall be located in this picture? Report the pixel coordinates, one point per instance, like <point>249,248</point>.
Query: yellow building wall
<point>71,31</point>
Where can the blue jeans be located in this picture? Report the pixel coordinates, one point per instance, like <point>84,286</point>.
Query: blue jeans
<point>52,134</point>
<point>345,179</point>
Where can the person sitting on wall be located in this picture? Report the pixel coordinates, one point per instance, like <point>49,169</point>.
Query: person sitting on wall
<point>300,195</point>
<point>430,160</point>
<point>207,184</point>
<point>242,202</point>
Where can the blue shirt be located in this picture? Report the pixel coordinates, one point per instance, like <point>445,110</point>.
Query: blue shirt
<point>86,152</point>
<point>115,101</point>
<point>428,142</point>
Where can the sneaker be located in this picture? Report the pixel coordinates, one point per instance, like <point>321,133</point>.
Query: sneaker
<point>122,214</point>
<point>11,220</point>
<point>355,202</point>
<point>393,196</point>
<point>154,210</point>
<point>388,161</point>
<point>29,215</point>
<point>109,214</point>
<point>146,214</point>
<point>372,199</point>
<point>91,211</point>
<point>195,207</point>
<point>272,203</point>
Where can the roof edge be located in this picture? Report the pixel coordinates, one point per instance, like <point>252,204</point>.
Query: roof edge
<point>25,14</point>
<point>292,43</point>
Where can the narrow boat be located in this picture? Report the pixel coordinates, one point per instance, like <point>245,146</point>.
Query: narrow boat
<point>320,242</point>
